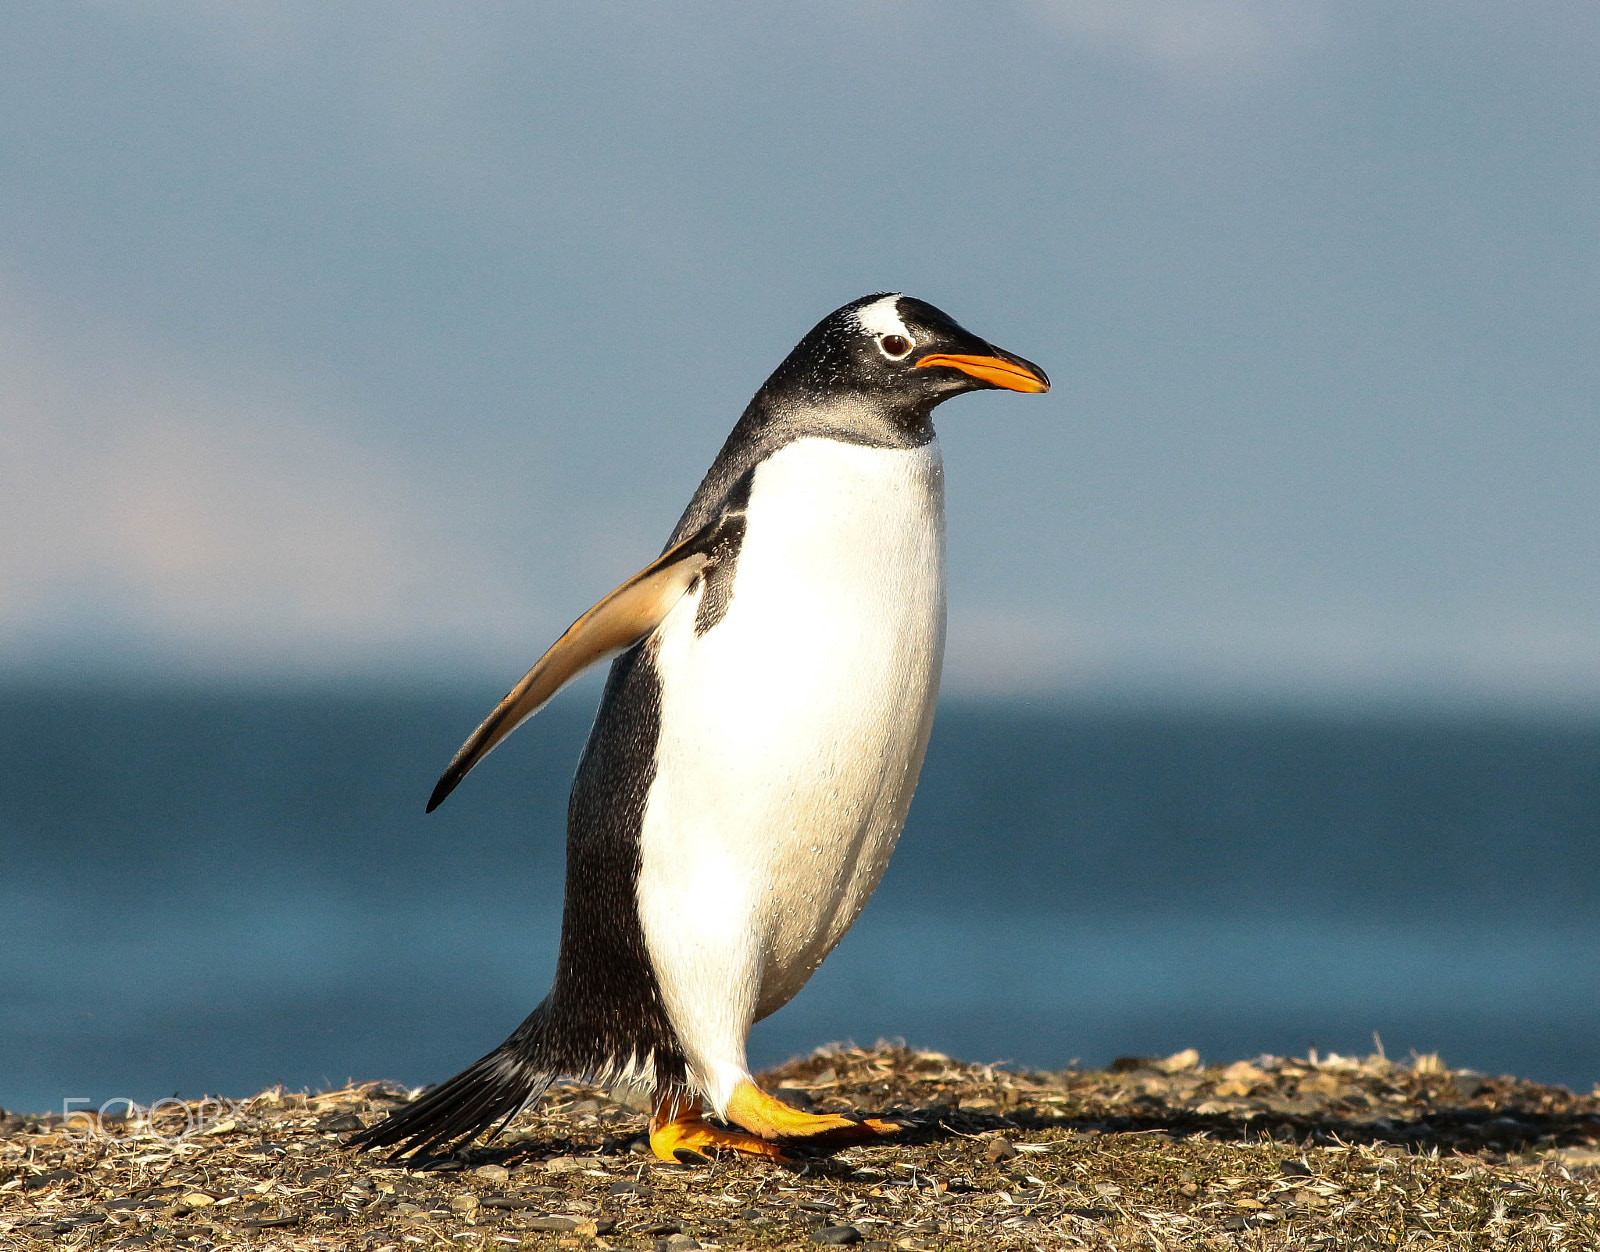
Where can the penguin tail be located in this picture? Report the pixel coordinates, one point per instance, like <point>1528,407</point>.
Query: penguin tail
<point>489,1092</point>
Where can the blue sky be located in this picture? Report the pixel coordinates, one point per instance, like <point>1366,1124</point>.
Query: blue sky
<point>386,337</point>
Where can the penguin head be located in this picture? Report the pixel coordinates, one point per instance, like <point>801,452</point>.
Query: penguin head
<point>898,356</point>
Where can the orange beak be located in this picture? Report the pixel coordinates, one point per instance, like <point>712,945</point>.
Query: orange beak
<point>997,371</point>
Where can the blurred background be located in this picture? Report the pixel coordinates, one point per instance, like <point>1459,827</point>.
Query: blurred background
<point>348,352</point>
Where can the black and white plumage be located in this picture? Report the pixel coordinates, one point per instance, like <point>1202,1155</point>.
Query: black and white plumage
<point>757,743</point>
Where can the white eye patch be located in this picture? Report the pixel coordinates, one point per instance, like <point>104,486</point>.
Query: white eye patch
<point>882,317</point>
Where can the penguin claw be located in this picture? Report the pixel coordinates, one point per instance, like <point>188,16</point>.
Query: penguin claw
<point>858,1130</point>
<point>863,1128</point>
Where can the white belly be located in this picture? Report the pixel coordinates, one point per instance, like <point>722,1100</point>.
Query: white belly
<point>792,733</point>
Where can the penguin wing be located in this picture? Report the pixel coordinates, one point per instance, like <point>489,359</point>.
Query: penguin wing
<point>613,625</point>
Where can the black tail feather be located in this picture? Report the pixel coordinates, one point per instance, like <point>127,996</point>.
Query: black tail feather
<point>490,1090</point>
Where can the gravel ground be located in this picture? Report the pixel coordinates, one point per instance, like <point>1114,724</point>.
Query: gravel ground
<point>1319,1152</point>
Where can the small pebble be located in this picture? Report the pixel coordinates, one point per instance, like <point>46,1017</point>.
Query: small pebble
<point>493,1173</point>
<point>559,1225</point>
<point>835,1235</point>
<point>1001,1149</point>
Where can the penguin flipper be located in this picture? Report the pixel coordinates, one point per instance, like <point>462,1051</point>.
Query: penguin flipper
<point>614,625</point>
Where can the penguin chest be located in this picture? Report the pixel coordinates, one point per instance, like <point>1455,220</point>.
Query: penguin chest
<point>792,730</point>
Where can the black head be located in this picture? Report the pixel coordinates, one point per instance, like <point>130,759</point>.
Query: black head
<point>898,356</point>
<point>869,373</point>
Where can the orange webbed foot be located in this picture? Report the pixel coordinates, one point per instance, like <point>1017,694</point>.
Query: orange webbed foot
<point>678,1126</point>
<point>771,1118</point>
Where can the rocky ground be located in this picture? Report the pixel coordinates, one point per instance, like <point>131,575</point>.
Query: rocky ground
<point>1327,1153</point>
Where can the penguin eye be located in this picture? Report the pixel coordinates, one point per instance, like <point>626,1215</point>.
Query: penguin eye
<point>894,346</point>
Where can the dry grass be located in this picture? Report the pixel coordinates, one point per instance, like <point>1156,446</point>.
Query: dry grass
<point>1328,1153</point>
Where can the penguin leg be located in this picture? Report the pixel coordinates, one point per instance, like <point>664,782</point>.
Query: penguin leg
<point>678,1125</point>
<point>770,1118</point>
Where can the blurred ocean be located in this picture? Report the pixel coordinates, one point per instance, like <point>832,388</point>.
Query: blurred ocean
<point>216,890</point>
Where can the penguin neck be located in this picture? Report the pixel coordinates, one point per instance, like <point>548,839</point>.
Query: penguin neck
<point>781,414</point>
<point>776,417</point>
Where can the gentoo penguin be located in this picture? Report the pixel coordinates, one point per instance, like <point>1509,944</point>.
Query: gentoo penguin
<point>756,747</point>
